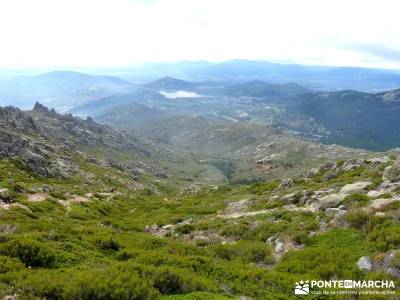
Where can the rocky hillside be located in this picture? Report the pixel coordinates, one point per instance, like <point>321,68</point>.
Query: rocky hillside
<point>87,212</point>
<point>237,151</point>
<point>66,239</point>
<point>354,119</point>
<point>49,144</point>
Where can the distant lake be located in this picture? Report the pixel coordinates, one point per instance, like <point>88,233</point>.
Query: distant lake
<point>180,94</point>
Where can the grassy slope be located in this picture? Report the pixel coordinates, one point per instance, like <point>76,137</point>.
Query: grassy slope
<point>99,249</point>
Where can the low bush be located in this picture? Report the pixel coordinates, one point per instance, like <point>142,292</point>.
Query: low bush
<point>358,219</point>
<point>184,229</point>
<point>260,188</point>
<point>107,244</point>
<point>244,251</point>
<point>8,264</point>
<point>30,252</point>
<point>356,200</point>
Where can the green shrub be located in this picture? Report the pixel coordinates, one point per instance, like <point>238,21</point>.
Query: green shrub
<point>260,188</point>
<point>171,281</point>
<point>332,254</point>
<point>30,252</point>
<point>300,237</point>
<point>184,229</point>
<point>8,264</point>
<point>375,183</point>
<point>201,242</point>
<point>244,251</point>
<point>358,219</point>
<point>396,260</point>
<point>107,244</point>
<point>356,200</point>
<point>154,243</point>
<point>58,195</point>
<point>235,230</point>
<point>393,206</point>
<point>108,284</point>
<point>386,236</point>
<point>196,296</point>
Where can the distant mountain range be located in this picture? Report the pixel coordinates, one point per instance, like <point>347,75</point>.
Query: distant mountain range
<point>169,83</point>
<point>60,89</point>
<point>121,110</point>
<point>261,89</point>
<point>348,117</point>
<point>313,77</point>
<point>253,88</point>
<point>316,77</point>
<point>147,103</point>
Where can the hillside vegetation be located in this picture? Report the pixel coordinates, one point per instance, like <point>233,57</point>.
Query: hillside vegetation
<point>94,228</point>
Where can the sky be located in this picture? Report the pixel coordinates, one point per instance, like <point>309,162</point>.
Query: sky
<point>111,33</point>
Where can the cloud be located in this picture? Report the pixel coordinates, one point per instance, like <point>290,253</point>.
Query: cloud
<point>124,32</point>
<point>379,51</point>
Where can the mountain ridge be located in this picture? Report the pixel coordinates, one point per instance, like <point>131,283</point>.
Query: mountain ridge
<point>59,89</point>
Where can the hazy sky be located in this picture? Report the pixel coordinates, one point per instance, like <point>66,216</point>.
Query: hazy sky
<point>46,33</point>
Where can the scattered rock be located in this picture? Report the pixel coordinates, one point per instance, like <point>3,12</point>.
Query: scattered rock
<point>390,265</point>
<point>329,165</point>
<point>279,247</point>
<point>37,197</point>
<point>156,230</point>
<point>7,228</point>
<point>245,214</point>
<point>320,193</point>
<point>379,160</point>
<point>162,175</point>
<point>380,204</point>
<point>393,173</point>
<point>283,246</point>
<point>355,188</point>
<point>352,164</point>
<point>333,211</point>
<point>237,207</point>
<point>308,208</point>
<point>5,196</point>
<point>375,193</point>
<point>286,183</point>
<point>208,237</point>
<point>4,193</point>
<point>290,198</point>
<point>331,200</point>
<point>271,240</point>
<point>364,263</point>
<point>35,162</point>
<point>311,173</point>
<point>10,297</point>
<point>79,199</point>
